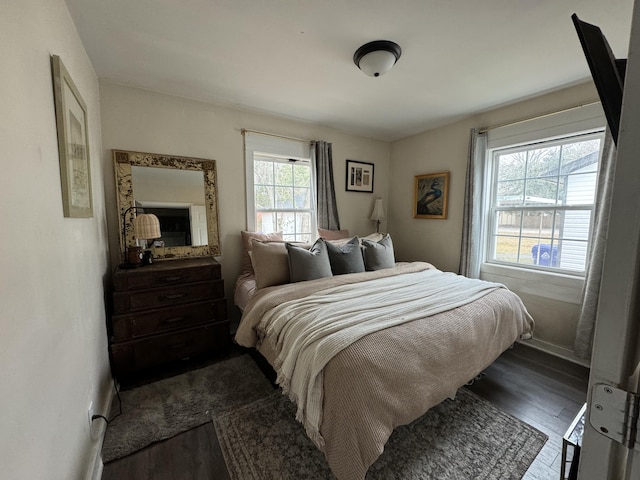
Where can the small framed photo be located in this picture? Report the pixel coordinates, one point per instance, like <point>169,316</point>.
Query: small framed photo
<point>359,176</point>
<point>73,143</point>
<point>430,195</point>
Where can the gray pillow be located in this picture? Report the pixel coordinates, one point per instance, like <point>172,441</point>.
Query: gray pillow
<point>378,255</point>
<point>346,258</point>
<point>308,264</point>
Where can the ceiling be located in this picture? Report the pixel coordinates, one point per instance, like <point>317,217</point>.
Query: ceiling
<point>293,58</point>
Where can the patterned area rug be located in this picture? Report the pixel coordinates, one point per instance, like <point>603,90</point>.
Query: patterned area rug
<point>465,438</point>
<point>162,409</point>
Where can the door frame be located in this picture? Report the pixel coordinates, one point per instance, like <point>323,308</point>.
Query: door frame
<point>616,341</point>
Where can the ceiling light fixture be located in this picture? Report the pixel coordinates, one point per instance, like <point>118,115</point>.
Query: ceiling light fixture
<point>377,57</point>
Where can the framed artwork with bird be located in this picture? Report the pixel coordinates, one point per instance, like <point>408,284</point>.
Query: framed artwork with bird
<point>430,195</point>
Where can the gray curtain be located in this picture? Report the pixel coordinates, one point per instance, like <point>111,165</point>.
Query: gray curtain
<point>472,216</point>
<point>326,202</point>
<point>583,343</point>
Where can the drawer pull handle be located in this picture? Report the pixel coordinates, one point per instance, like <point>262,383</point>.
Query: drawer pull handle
<point>174,320</point>
<point>172,279</point>
<point>174,296</point>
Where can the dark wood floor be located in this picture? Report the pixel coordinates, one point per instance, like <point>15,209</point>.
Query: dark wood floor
<point>540,389</point>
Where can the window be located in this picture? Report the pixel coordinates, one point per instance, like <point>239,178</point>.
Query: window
<point>280,187</point>
<point>540,203</point>
<point>283,196</point>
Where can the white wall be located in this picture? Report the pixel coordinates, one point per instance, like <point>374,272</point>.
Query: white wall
<point>438,241</point>
<point>53,347</point>
<point>140,120</point>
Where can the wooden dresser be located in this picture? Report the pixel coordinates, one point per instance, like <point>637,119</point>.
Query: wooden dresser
<point>165,312</point>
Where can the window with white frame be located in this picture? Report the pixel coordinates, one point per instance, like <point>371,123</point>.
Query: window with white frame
<point>541,200</point>
<point>280,187</point>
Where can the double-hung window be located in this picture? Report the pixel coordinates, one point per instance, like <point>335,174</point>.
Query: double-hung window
<point>280,187</point>
<point>540,194</point>
<point>541,203</point>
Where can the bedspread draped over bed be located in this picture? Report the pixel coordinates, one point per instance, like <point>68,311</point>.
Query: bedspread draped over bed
<point>363,353</point>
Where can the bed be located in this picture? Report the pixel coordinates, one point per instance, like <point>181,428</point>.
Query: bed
<point>362,353</point>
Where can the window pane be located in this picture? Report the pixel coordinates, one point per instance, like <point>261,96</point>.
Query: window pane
<point>538,224</point>
<point>286,222</point>
<point>510,193</point>
<point>579,171</point>
<point>572,255</point>
<point>283,173</point>
<point>581,188</point>
<point>586,151</point>
<point>303,221</point>
<point>541,191</point>
<point>511,166</point>
<point>574,225</point>
<point>508,223</point>
<point>262,172</point>
<point>543,162</point>
<point>545,254</point>
<point>302,175</point>
<point>302,198</point>
<point>266,222</point>
<point>264,197</point>
<point>284,197</point>
<point>507,248</point>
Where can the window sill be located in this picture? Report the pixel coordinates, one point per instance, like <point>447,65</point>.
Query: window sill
<point>555,286</point>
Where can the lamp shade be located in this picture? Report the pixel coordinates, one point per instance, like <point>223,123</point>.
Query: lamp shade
<point>376,58</point>
<point>146,226</point>
<point>378,211</point>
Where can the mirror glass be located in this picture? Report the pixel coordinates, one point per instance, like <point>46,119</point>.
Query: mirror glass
<point>180,191</point>
<point>176,197</point>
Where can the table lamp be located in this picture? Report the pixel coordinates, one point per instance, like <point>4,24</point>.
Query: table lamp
<point>377,215</point>
<point>146,226</point>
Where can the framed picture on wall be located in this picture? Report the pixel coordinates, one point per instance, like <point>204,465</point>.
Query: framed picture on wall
<point>430,195</point>
<point>359,176</point>
<point>73,143</point>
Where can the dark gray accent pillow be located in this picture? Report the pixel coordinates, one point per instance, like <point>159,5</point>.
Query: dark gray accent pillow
<point>308,264</point>
<point>346,258</point>
<point>378,255</point>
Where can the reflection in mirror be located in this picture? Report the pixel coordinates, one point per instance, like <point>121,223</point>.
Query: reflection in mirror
<point>181,191</point>
<point>176,197</point>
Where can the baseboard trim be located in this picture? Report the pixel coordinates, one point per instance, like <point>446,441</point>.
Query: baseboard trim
<point>556,350</point>
<point>96,465</point>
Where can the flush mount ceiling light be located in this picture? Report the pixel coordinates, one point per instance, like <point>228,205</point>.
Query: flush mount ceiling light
<point>377,57</point>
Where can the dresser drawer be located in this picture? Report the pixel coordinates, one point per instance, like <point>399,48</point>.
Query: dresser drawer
<point>156,350</point>
<point>133,325</point>
<point>150,277</point>
<point>124,302</point>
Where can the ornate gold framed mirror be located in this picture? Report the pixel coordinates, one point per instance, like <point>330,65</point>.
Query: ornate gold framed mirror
<point>181,191</point>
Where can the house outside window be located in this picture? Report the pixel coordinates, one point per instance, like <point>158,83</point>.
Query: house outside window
<point>280,183</point>
<point>541,202</point>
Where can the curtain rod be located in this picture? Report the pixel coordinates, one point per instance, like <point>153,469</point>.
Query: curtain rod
<point>245,130</point>
<point>535,117</point>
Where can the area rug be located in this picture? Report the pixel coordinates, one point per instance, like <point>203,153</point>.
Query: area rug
<point>465,438</point>
<point>165,408</point>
